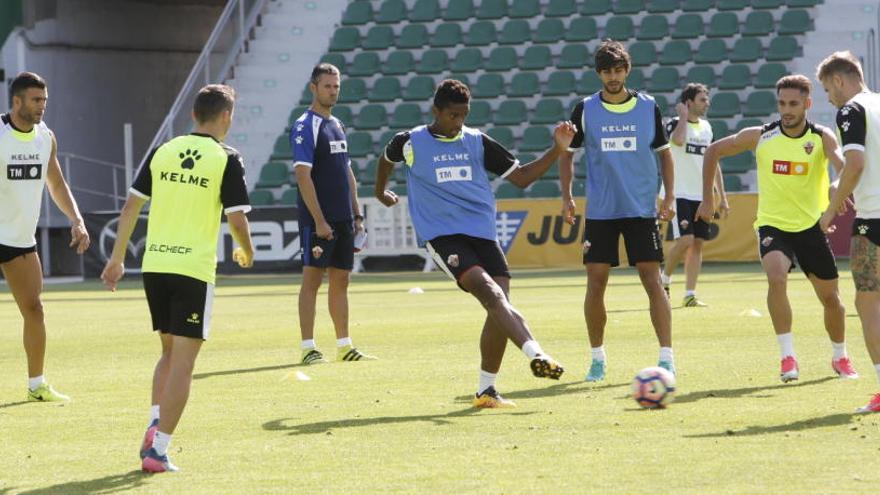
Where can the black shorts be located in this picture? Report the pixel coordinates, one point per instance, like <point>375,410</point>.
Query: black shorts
<point>641,236</point>
<point>809,248</point>
<point>685,221</point>
<point>9,253</point>
<point>867,227</point>
<point>456,254</point>
<point>179,305</point>
<point>337,252</point>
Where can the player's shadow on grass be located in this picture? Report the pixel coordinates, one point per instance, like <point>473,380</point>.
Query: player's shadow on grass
<point>13,404</point>
<point>327,426</point>
<point>839,419</point>
<point>108,484</point>
<point>551,391</point>
<point>735,393</point>
<point>199,376</point>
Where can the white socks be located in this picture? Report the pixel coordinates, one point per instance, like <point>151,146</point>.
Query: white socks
<point>664,278</point>
<point>839,350</point>
<point>689,293</point>
<point>786,344</point>
<point>161,442</point>
<point>486,380</point>
<point>307,344</point>
<point>35,382</point>
<point>666,354</point>
<point>154,412</point>
<point>532,349</point>
<point>598,353</point>
<point>343,342</point>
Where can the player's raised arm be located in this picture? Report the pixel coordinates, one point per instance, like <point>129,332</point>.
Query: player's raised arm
<point>744,140</point>
<point>524,175</point>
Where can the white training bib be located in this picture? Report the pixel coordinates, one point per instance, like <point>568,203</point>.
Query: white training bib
<point>24,162</point>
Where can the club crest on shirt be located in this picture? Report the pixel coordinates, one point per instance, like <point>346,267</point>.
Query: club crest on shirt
<point>767,241</point>
<point>863,229</point>
<point>452,260</point>
<point>808,147</point>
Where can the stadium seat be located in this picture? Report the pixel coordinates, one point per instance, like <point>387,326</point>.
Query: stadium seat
<point>298,111</point>
<point>536,138</point>
<point>719,129</point>
<point>782,48</point>
<point>510,112</point>
<point>636,80</point>
<point>724,105</point>
<point>560,8</point>
<point>664,80</point>
<point>688,26</point>
<point>744,123</point>
<point>354,90</point>
<point>358,12</point>
<point>746,50</point>
<point>425,11</point>
<point>448,34</point>
<point>711,52</point>
<point>459,77</point>
<point>385,88</point>
<point>306,96</point>
<point>359,144</point>
<point>653,27</point>
<point>663,105</point>
<point>549,31</point>
<point>737,164</point>
<point>344,114</point>
<point>697,5</point>
<point>337,59</point>
<point>642,53</point>
<point>662,6</point>
<point>467,60</point>
<point>582,29</point>
<point>405,116</point>
<point>628,6</point>
<point>760,103</point>
<point>536,58</point>
<point>732,4</point>
<point>703,74</point>
<point>412,36</point>
<point>676,52</point>
<point>261,197</point>
<point>545,189</point>
<point>524,8</point>
<point>795,21</point>
<point>480,114</point>
<point>391,12</point>
<point>488,86</point>
<point>365,189</point>
<point>766,4</point>
<point>399,62</point>
<point>802,3</point>
<point>758,23</point>
<point>419,88</point>
<point>735,76</point>
<point>619,28</point>
<point>578,186</point>
<point>524,84</point>
<point>289,197</point>
<point>372,116</point>
<point>367,175</point>
<point>481,33</point>
<point>574,56</point>
<point>364,64</point>
<point>501,59</point>
<point>560,83</point>
<point>433,61</point>
<point>723,25</point>
<point>345,39</point>
<point>507,190</point>
<point>515,32</point>
<point>400,188</point>
<point>378,38</point>
<point>459,10</point>
<point>733,183</point>
<point>589,83</point>
<point>503,135</point>
<point>768,74</point>
<point>596,7</point>
<point>551,173</point>
<point>274,174</point>
<point>492,9</point>
<point>548,111</point>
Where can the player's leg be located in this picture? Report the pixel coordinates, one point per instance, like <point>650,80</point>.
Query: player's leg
<point>160,381</point>
<point>493,343</point>
<point>312,277</point>
<point>866,276</point>
<point>776,260</point>
<point>601,239</point>
<point>692,267</point>
<point>341,262</point>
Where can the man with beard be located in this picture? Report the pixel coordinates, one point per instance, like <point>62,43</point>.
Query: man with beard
<point>792,157</point>
<point>622,133</point>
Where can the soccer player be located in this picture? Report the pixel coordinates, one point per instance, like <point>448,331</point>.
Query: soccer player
<point>329,214</point>
<point>29,159</point>
<point>453,211</point>
<point>689,135</point>
<point>858,119</point>
<point>191,180</point>
<point>792,157</point>
<point>622,133</point>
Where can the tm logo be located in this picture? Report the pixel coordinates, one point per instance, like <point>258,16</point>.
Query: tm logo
<point>507,224</point>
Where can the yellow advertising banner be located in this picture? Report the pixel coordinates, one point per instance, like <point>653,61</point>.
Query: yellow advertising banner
<point>533,234</point>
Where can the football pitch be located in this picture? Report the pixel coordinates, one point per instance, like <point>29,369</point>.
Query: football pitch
<point>258,423</point>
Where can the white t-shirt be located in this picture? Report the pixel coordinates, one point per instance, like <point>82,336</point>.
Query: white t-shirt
<point>689,158</point>
<point>858,123</point>
<point>24,161</point>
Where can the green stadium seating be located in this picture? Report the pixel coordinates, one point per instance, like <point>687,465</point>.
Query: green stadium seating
<point>711,52</point>
<point>364,64</point>
<point>596,7</point>
<point>378,38</point>
<point>766,4</point>
<point>467,60</point>
<point>501,59</point>
<point>448,34</point>
<point>526,158</point>
<point>365,189</point>
<point>742,124</point>
<point>688,26</point>
<point>492,9</point>
<point>434,61</point>
<point>552,173</point>
<point>802,3</point>
<point>459,77</point>
<point>760,103</point>
<point>582,29</point>
<point>412,36</point>
<point>662,6</point>
<point>733,183</point>
<point>549,31</point>
<point>795,22</point>
<point>425,11</point>
<point>664,80</point>
<point>399,189</point>
<point>275,174</point>
<point>345,39</point>
<point>385,89</point>
<point>746,50</point>
<point>536,138</point>
<point>782,48</point>
<point>480,114</point>
<point>353,90</point>
<point>506,190</point>
<point>261,197</point>
<point>723,25</point>
<point>306,97</point>
<point>344,114</point>
<point>289,197</point>
<point>758,23</point>
<point>419,88</point>
<point>545,189</point>
<point>574,56</point>
<point>536,57</point>
<point>738,164</point>
<point>488,86</point>
<point>515,32</point>
<point>359,144</point>
<point>697,5</point>
<point>524,8</point>
<point>358,13</point>
<point>372,116</point>
<point>578,186</point>
<point>719,129</point>
<point>367,175</point>
<point>503,135</point>
<point>628,6</point>
<point>524,84</point>
<point>676,52</point>
<point>560,83</point>
<point>459,10</point>
<point>768,74</point>
<point>510,112</point>
<point>636,79</point>
<point>619,28</point>
<point>589,83</point>
<point>735,76</point>
<point>481,33</point>
<point>703,74</point>
<point>560,8</point>
<point>391,12</point>
<point>732,4</point>
<point>663,105</point>
<point>642,53</point>
<point>724,105</point>
<point>653,27</point>
<point>405,116</point>
<point>297,112</point>
<point>337,59</point>
<point>399,62</point>
<point>548,111</point>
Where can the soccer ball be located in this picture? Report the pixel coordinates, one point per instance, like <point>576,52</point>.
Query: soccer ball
<point>654,387</point>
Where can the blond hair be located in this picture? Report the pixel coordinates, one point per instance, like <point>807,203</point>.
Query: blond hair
<point>842,63</point>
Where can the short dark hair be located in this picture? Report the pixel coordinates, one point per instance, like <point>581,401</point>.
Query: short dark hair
<point>796,81</point>
<point>213,100</point>
<point>24,81</point>
<point>690,92</point>
<point>840,63</point>
<point>611,54</point>
<point>451,91</point>
<point>321,69</point>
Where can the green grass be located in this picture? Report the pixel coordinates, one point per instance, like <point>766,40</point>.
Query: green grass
<point>403,424</point>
